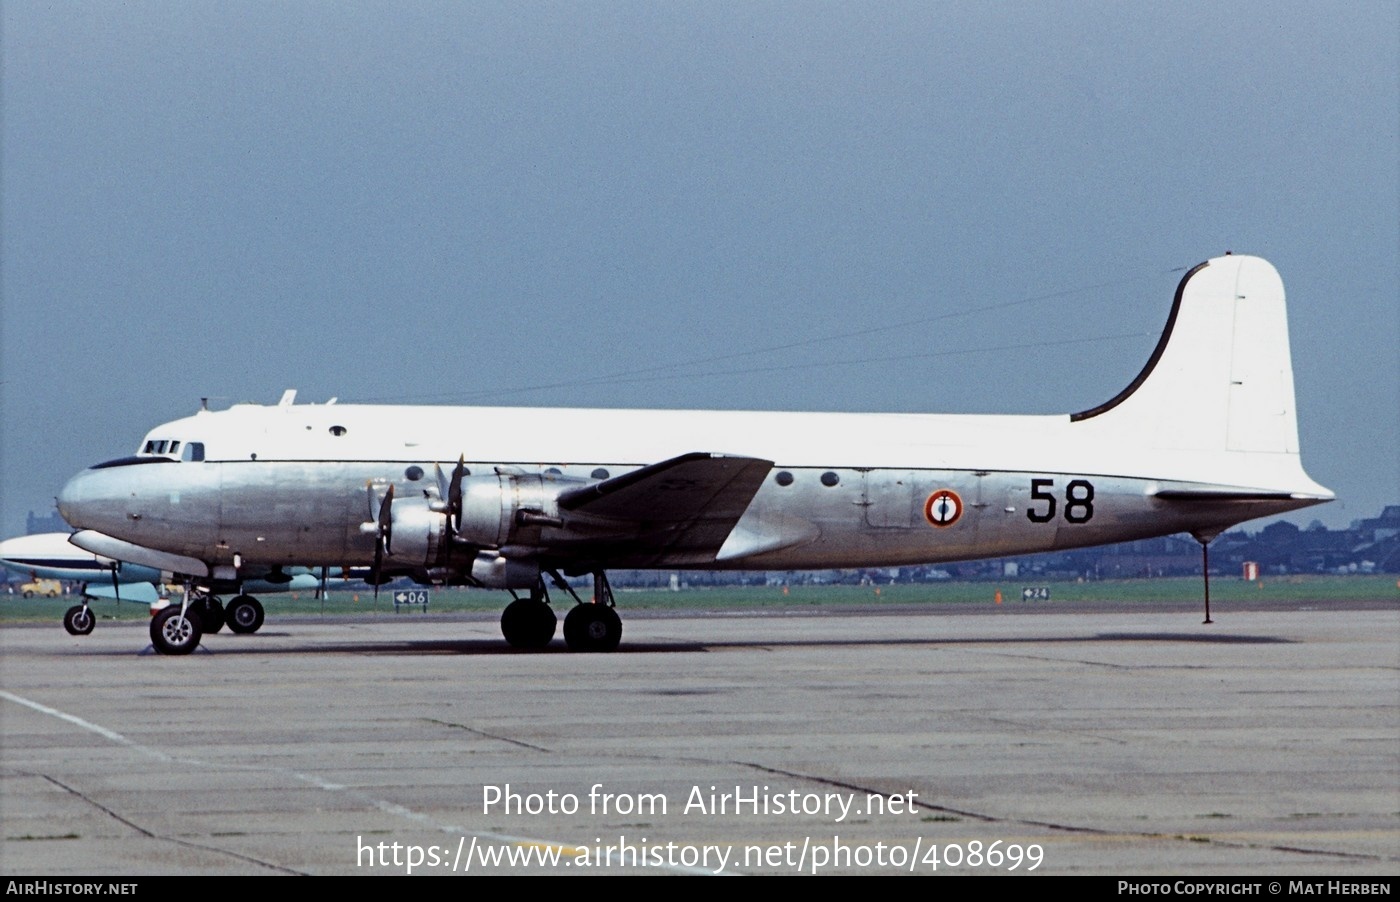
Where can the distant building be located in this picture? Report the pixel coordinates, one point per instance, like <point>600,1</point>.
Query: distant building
<point>50,522</point>
<point>1386,526</point>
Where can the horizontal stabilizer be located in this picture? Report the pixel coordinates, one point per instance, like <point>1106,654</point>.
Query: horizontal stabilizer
<point>1206,500</point>
<point>1222,495</point>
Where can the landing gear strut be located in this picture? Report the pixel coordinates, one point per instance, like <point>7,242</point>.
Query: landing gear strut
<point>1205,538</point>
<point>1205,577</point>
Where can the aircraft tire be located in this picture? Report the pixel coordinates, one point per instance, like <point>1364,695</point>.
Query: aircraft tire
<point>211,614</point>
<point>527,623</point>
<point>172,634</point>
<point>592,627</point>
<point>244,614</point>
<point>78,620</point>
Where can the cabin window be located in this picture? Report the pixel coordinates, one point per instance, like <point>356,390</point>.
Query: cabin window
<point>554,471</point>
<point>829,479</point>
<point>783,478</point>
<point>338,430</point>
<point>413,473</point>
<point>599,473</point>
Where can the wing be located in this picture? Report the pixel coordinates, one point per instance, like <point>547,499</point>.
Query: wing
<point>143,593</point>
<point>675,512</point>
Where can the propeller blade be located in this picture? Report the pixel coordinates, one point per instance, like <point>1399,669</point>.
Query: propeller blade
<point>378,564</point>
<point>441,482</point>
<point>386,520</point>
<point>454,494</point>
<point>383,537</point>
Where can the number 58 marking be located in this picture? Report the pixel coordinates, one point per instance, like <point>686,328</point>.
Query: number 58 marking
<point>1079,501</point>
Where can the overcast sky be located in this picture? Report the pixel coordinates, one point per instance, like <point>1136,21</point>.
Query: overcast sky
<point>671,204</point>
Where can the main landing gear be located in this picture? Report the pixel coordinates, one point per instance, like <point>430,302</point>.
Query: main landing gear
<point>596,626</point>
<point>529,622</point>
<point>210,611</point>
<point>589,626</point>
<point>244,614</point>
<point>177,629</point>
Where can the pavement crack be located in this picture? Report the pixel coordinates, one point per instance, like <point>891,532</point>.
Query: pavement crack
<point>485,735</point>
<point>125,821</point>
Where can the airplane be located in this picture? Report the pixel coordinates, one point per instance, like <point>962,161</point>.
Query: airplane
<point>1204,438</point>
<point>50,555</point>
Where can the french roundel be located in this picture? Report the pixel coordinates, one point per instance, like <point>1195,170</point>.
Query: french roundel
<point>943,508</point>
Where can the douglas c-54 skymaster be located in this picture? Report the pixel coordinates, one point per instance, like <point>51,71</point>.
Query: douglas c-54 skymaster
<point>1204,438</point>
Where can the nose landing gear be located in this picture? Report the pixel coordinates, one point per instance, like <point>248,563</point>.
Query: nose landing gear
<point>78,620</point>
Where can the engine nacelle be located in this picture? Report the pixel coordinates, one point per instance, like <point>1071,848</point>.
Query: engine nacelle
<point>419,534</point>
<point>509,509</point>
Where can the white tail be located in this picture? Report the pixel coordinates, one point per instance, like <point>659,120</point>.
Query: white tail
<point>1221,377</point>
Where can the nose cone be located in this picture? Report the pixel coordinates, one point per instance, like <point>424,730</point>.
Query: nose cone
<point>94,499</point>
<point>148,501</point>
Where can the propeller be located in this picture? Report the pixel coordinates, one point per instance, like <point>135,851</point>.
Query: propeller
<point>383,535</point>
<point>450,492</point>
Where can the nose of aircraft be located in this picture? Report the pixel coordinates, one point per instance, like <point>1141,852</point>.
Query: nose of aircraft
<point>93,499</point>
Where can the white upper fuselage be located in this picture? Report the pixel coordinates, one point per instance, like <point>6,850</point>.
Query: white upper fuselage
<point>579,438</point>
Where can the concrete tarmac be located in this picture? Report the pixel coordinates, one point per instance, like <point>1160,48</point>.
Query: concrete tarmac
<point>1019,739</point>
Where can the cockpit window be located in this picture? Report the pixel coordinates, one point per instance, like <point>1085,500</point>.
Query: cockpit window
<point>173,449</point>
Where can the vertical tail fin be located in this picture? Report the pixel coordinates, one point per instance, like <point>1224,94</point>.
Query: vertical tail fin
<point>1221,377</point>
